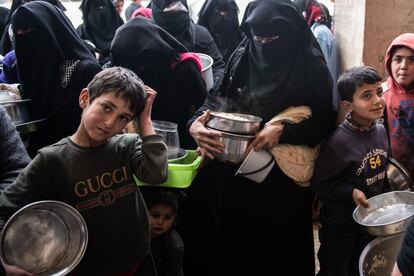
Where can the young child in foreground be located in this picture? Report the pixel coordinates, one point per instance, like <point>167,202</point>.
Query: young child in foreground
<point>93,169</point>
<point>167,246</point>
<point>350,169</point>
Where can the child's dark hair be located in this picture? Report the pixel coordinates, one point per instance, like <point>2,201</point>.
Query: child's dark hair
<point>123,82</point>
<point>356,77</point>
<point>156,196</point>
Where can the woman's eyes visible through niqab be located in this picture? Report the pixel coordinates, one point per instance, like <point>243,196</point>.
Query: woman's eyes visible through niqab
<point>265,39</point>
<point>24,30</point>
<point>175,7</point>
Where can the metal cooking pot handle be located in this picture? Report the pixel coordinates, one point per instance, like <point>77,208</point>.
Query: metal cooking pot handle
<point>262,168</point>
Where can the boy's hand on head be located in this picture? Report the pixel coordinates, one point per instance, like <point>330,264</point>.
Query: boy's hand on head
<point>359,198</point>
<point>144,119</point>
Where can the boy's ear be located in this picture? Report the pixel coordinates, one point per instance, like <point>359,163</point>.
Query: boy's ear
<point>84,98</point>
<point>348,107</point>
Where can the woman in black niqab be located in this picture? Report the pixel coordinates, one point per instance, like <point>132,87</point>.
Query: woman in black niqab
<point>54,65</point>
<point>194,37</point>
<point>220,17</point>
<point>100,21</point>
<point>277,65</point>
<point>154,55</point>
<point>6,42</point>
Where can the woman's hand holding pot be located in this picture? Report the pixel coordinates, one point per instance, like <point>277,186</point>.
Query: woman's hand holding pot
<point>206,139</point>
<point>267,138</point>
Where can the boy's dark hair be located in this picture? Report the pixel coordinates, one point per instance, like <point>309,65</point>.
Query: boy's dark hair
<point>156,196</point>
<point>123,82</point>
<point>356,77</point>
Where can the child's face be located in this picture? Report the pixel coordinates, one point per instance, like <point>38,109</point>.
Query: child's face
<point>106,116</point>
<point>162,218</point>
<point>402,67</point>
<point>368,104</point>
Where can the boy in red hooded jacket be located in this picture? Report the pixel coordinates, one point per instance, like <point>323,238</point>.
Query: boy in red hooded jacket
<point>399,98</point>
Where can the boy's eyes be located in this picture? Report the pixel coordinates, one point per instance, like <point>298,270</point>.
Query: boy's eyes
<point>108,109</point>
<point>367,96</point>
<point>399,59</point>
<point>125,119</point>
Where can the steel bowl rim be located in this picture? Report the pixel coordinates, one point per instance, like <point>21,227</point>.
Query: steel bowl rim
<point>371,245</point>
<point>232,135</point>
<point>252,118</point>
<point>404,171</point>
<point>16,101</point>
<point>210,59</point>
<point>50,203</point>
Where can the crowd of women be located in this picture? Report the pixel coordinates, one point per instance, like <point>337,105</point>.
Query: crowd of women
<point>268,63</point>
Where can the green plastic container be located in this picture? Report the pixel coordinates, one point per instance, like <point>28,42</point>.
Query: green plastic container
<point>179,175</point>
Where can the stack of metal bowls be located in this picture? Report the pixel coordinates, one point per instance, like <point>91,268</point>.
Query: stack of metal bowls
<point>238,130</point>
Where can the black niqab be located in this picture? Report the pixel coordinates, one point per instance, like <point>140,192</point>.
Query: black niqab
<point>5,42</point>
<point>149,51</point>
<point>100,21</point>
<point>270,64</point>
<point>40,52</point>
<point>177,23</point>
<point>140,43</point>
<point>3,16</point>
<point>224,28</point>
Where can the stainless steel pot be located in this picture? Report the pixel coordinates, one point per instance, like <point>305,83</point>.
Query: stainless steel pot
<point>236,123</point>
<point>234,147</point>
<point>379,256</point>
<point>18,110</point>
<point>44,238</point>
<point>388,214</point>
<point>398,177</point>
<point>207,70</point>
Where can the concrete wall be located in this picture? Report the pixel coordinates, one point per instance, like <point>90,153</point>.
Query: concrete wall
<point>349,16</point>
<point>365,28</point>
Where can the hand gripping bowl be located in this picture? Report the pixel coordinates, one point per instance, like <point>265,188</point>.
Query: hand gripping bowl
<point>388,214</point>
<point>44,238</point>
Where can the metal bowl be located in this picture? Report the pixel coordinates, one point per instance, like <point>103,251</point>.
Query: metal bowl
<point>44,238</point>
<point>235,147</point>
<point>18,110</point>
<point>388,214</point>
<point>207,70</point>
<point>379,256</point>
<point>397,176</point>
<point>236,123</point>
<point>177,158</point>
